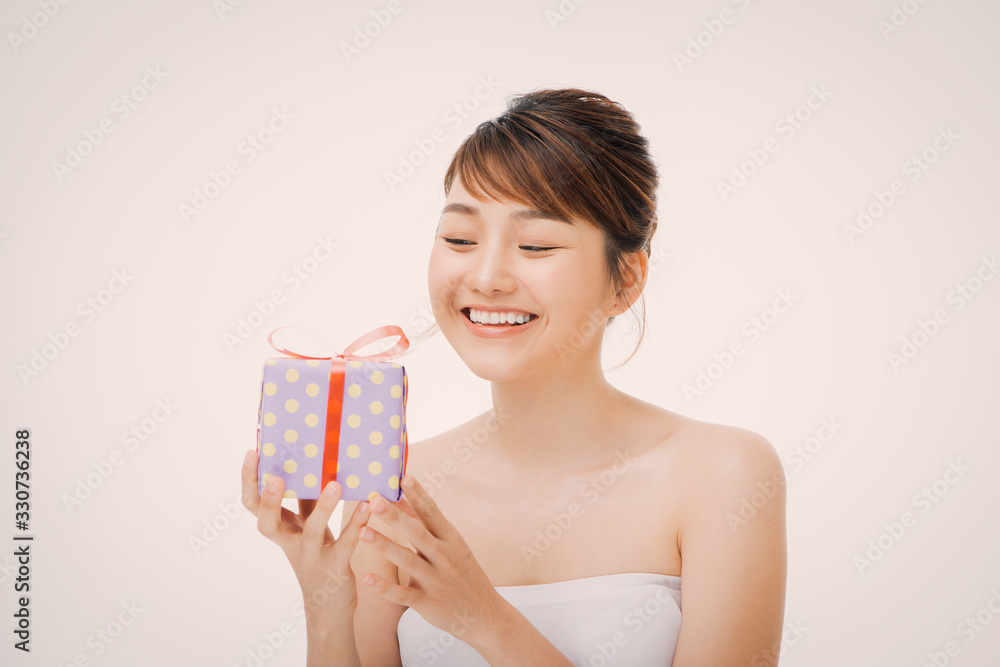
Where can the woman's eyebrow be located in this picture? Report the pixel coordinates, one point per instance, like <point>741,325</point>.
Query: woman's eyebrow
<point>517,215</point>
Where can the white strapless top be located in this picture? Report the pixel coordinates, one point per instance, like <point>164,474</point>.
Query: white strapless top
<point>626,620</point>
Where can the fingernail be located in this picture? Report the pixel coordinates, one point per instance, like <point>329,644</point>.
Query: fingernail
<point>363,508</point>
<point>329,490</point>
<point>272,484</point>
<point>248,457</point>
<point>377,504</point>
<point>408,483</point>
<point>366,533</point>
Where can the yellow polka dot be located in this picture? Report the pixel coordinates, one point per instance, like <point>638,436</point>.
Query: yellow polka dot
<point>354,390</point>
<point>373,494</point>
<point>374,467</point>
<point>311,420</point>
<point>396,391</point>
<point>394,421</point>
<point>376,407</point>
<point>309,480</point>
<point>353,421</point>
<point>289,494</point>
<point>354,451</point>
<point>291,435</point>
<point>291,405</point>
<point>311,450</point>
<point>395,365</point>
<point>394,452</point>
<point>352,481</point>
<point>291,465</point>
<point>375,438</point>
<point>266,476</point>
<point>269,419</point>
<point>312,389</point>
<point>393,482</point>
<point>312,362</point>
<point>271,362</point>
<point>354,364</point>
<point>402,435</point>
<point>268,449</point>
<point>291,375</point>
<point>270,388</point>
<point>376,377</point>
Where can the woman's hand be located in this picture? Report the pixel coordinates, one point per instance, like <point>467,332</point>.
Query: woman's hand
<point>447,586</point>
<point>321,563</point>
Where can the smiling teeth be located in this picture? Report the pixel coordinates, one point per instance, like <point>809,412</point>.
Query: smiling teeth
<point>485,317</point>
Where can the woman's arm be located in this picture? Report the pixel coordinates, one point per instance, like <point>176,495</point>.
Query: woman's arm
<point>511,641</point>
<point>733,554</point>
<point>376,619</point>
<point>321,564</point>
<point>446,585</point>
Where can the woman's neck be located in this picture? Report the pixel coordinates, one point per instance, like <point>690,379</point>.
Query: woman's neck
<point>549,425</point>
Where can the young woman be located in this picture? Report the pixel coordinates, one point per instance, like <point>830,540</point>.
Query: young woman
<point>558,527</point>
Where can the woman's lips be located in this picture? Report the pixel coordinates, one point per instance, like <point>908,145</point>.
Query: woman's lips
<point>468,315</point>
<point>496,330</point>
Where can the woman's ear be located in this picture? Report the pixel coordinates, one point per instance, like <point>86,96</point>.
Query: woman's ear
<point>634,276</point>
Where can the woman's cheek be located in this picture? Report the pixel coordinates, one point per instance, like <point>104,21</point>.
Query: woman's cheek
<point>440,283</point>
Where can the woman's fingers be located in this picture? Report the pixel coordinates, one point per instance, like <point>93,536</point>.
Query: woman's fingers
<point>404,505</point>
<point>251,497</point>
<point>426,508</point>
<point>269,516</point>
<point>275,522</point>
<point>398,555</point>
<point>401,595</point>
<point>407,523</point>
<point>348,538</point>
<point>315,527</point>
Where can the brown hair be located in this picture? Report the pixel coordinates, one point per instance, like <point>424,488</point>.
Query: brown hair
<point>575,153</point>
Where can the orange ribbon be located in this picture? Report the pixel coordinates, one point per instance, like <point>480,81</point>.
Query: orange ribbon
<point>375,334</point>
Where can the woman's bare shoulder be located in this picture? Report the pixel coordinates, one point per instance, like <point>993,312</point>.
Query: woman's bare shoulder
<point>718,467</point>
<point>699,434</point>
<point>701,454</point>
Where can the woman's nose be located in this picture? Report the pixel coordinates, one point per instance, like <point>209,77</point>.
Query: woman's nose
<point>490,269</point>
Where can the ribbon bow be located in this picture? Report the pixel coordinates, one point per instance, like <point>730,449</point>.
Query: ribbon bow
<point>375,334</point>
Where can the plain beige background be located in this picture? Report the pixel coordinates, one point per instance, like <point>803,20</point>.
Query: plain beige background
<point>348,121</point>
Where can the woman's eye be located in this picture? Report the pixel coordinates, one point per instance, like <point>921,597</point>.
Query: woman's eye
<point>530,248</point>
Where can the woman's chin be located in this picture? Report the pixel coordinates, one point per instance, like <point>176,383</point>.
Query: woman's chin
<point>498,370</point>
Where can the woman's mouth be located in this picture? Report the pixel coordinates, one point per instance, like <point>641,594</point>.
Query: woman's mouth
<point>498,319</point>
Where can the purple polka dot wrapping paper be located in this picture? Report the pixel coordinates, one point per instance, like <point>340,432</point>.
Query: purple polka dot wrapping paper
<point>292,427</point>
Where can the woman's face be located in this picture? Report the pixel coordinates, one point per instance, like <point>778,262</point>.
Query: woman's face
<point>486,257</point>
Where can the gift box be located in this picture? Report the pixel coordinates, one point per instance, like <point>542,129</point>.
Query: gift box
<point>339,418</point>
